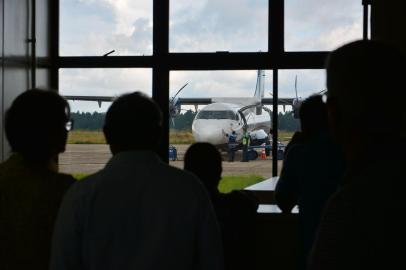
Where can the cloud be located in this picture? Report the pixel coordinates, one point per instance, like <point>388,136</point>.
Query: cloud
<point>90,27</point>
<point>105,81</point>
<point>321,25</point>
<point>218,25</point>
<point>240,83</point>
<point>94,27</point>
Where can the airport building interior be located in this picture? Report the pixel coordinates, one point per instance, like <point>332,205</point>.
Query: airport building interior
<point>30,57</point>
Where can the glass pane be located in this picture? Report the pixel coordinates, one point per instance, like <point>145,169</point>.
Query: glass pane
<point>314,25</point>
<point>224,93</point>
<point>218,25</point>
<point>86,151</point>
<point>96,27</point>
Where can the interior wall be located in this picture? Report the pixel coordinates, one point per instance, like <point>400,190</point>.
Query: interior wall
<point>388,22</point>
<point>15,57</point>
<point>16,30</point>
<point>1,77</point>
<point>43,45</point>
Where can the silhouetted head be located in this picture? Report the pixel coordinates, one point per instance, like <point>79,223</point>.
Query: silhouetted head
<point>133,122</point>
<point>366,93</point>
<point>204,160</point>
<point>313,116</point>
<point>35,125</point>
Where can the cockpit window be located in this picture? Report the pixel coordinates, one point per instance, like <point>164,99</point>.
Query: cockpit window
<point>217,115</point>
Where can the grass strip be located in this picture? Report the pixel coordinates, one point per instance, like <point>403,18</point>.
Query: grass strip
<point>227,184</point>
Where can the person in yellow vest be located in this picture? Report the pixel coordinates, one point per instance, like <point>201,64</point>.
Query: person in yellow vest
<point>245,144</point>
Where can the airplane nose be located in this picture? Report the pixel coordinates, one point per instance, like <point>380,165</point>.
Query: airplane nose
<point>203,132</point>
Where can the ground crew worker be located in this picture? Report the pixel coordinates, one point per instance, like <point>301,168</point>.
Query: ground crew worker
<point>245,143</point>
<point>231,145</point>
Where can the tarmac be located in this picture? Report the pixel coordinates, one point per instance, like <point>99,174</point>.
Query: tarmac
<point>89,158</point>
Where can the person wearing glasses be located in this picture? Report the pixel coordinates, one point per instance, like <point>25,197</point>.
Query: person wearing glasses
<point>31,189</point>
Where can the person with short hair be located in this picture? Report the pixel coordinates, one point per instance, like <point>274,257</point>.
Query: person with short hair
<point>245,144</point>
<point>31,188</point>
<point>236,211</point>
<point>363,225</point>
<point>138,212</point>
<point>232,145</point>
<point>311,173</point>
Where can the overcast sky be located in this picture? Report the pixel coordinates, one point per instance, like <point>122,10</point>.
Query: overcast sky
<point>95,27</point>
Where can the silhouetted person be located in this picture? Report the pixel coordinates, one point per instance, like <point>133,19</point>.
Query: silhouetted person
<point>297,138</point>
<point>312,171</point>
<point>363,226</point>
<point>31,189</point>
<point>138,212</point>
<point>235,211</point>
<point>245,144</point>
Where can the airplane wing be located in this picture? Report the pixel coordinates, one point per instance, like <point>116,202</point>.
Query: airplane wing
<point>204,101</point>
<point>181,101</point>
<point>281,101</point>
<point>91,98</point>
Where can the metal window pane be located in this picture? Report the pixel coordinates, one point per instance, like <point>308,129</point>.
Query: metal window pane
<point>230,87</point>
<point>315,25</point>
<point>218,25</point>
<point>96,27</point>
<point>102,82</point>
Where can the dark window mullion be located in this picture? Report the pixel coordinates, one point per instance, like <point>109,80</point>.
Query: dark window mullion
<point>54,43</point>
<point>275,125</point>
<point>276,44</point>
<point>160,72</point>
<point>202,61</point>
<point>106,62</point>
<point>276,28</point>
<point>366,4</point>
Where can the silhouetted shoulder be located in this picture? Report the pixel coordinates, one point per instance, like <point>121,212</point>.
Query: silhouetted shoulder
<point>242,201</point>
<point>64,180</point>
<point>184,177</point>
<point>89,182</point>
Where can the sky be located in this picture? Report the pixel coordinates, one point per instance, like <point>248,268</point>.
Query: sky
<point>95,27</point>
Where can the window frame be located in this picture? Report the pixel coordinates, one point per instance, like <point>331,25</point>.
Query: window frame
<point>162,61</point>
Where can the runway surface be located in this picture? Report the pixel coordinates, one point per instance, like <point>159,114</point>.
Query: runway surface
<point>89,158</point>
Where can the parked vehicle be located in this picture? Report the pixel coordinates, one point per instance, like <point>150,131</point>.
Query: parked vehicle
<point>173,153</point>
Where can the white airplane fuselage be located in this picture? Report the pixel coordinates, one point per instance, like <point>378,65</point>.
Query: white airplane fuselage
<point>215,120</point>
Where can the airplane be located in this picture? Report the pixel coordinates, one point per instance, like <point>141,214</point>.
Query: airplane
<point>221,116</point>
<point>225,115</point>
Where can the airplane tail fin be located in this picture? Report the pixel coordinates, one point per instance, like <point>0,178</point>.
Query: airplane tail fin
<point>260,87</point>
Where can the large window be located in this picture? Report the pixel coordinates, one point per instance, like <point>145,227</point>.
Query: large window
<point>214,46</point>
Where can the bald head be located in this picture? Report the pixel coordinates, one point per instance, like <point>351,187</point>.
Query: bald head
<point>366,91</point>
<point>133,122</point>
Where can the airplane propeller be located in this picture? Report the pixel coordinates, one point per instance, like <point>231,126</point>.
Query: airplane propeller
<point>173,106</point>
<point>178,92</point>
<point>296,87</point>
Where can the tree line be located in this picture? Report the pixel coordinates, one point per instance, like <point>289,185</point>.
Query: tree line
<point>95,120</point>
